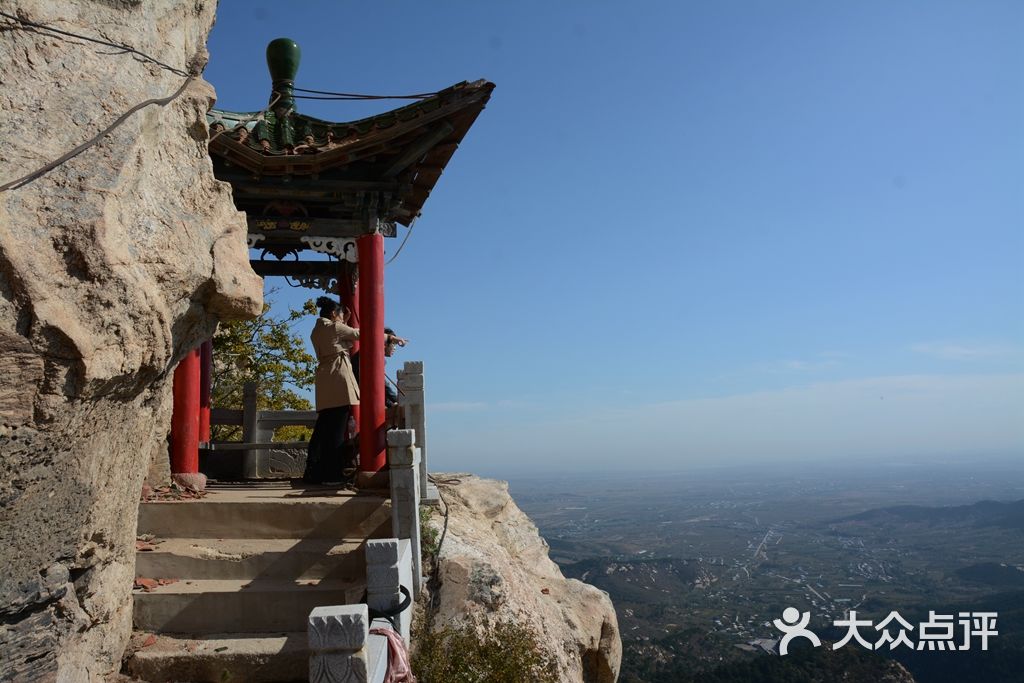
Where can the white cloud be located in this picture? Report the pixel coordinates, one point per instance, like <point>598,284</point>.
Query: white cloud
<point>963,351</point>
<point>794,365</point>
<point>456,407</point>
<point>873,417</point>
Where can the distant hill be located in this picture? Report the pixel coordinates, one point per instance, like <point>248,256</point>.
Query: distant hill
<point>694,655</point>
<point>638,579</point>
<point>1003,662</point>
<point>993,574</point>
<point>982,514</point>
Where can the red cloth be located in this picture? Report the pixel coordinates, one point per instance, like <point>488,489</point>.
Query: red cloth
<point>399,670</point>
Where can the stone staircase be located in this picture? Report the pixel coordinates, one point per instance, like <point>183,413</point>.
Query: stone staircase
<point>249,562</point>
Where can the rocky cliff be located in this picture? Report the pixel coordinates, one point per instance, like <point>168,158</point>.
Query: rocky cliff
<point>493,563</point>
<point>112,266</point>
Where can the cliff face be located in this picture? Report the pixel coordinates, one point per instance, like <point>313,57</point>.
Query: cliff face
<point>112,267</point>
<point>493,562</point>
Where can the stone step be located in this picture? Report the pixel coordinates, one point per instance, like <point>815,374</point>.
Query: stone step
<point>257,658</point>
<point>253,558</point>
<point>237,606</point>
<point>233,514</point>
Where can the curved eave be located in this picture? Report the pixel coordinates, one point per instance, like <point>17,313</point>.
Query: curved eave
<point>378,153</point>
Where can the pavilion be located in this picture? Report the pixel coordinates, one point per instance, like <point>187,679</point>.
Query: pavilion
<point>337,189</point>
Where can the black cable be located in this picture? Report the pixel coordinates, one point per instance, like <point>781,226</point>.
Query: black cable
<point>246,120</point>
<point>359,96</point>
<point>26,179</point>
<point>393,612</point>
<point>444,532</point>
<point>119,46</point>
<point>409,232</point>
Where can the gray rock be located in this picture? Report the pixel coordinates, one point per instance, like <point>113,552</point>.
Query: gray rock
<point>112,267</point>
<point>494,563</point>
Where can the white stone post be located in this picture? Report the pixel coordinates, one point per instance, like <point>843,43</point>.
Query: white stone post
<point>389,565</point>
<point>253,460</point>
<point>337,644</point>
<point>413,402</point>
<point>404,460</point>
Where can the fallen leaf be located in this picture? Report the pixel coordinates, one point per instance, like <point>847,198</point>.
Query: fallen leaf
<point>166,582</point>
<point>149,641</point>
<point>545,591</point>
<point>220,649</point>
<point>146,584</point>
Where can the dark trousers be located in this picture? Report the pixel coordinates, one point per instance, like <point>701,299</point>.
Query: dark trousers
<point>329,455</point>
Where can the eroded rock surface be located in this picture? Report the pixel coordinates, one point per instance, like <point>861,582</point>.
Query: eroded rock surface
<point>493,562</point>
<point>112,267</point>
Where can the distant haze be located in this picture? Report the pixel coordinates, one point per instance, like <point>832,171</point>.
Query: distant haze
<point>694,232</point>
<point>905,417</point>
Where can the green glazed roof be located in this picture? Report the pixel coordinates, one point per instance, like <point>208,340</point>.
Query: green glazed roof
<point>390,161</point>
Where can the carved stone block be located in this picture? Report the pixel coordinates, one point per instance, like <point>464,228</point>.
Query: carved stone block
<point>338,667</point>
<point>401,437</point>
<point>338,627</point>
<point>382,551</point>
<point>381,576</point>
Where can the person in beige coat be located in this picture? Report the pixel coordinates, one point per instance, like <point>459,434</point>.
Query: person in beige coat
<point>336,392</point>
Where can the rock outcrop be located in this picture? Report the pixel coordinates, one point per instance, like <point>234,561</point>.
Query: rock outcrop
<point>493,562</point>
<point>112,266</point>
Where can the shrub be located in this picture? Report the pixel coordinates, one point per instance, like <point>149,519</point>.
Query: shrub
<point>483,651</point>
<point>428,534</point>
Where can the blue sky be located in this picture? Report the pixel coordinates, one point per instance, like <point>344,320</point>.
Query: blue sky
<point>685,233</point>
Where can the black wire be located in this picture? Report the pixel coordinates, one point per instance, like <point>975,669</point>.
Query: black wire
<point>248,119</point>
<point>358,96</point>
<point>435,569</point>
<point>26,179</point>
<point>347,99</point>
<point>119,46</point>
<point>408,232</point>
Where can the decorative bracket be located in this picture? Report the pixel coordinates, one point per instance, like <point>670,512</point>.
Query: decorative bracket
<point>321,282</point>
<point>252,238</point>
<point>342,247</point>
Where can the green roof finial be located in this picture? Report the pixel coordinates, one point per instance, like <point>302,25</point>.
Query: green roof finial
<point>283,55</point>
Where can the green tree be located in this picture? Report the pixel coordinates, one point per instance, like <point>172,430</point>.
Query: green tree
<point>265,350</point>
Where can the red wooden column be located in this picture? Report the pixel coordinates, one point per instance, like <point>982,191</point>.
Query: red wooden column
<point>372,446</point>
<point>205,388</point>
<point>185,417</point>
<point>348,292</point>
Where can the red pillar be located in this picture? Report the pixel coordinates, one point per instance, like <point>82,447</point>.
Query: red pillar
<point>372,455</point>
<point>185,418</point>
<point>205,388</point>
<point>348,292</point>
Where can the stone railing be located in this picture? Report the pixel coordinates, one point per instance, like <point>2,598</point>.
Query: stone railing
<point>261,456</point>
<point>341,646</point>
<point>412,402</point>
<point>340,643</point>
<point>404,461</point>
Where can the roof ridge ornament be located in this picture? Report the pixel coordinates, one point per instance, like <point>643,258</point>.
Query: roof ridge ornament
<point>283,57</point>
